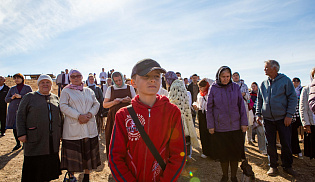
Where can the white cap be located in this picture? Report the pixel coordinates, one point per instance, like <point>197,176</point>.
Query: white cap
<point>44,77</point>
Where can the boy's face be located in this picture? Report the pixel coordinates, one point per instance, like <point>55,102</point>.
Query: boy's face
<point>148,84</point>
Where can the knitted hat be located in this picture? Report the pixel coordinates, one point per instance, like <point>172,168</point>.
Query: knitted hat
<point>44,77</point>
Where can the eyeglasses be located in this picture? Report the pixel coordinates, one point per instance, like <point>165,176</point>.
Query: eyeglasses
<point>75,76</point>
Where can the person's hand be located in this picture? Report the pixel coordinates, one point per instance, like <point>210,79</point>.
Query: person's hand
<point>18,96</point>
<point>287,121</point>
<point>13,96</point>
<point>307,128</point>
<point>195,107</point>
<point>243,94</point>
<point>244,129</point>
<point>211,131</point>
<point>22,138</point>
<point>259,118</point>
<point>89,115</point>
<point>259,122</point>
<point>116,101</point>
<point>126,99</point>
<point>83,118</point>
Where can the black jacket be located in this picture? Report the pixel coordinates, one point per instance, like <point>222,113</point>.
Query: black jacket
<point>3,94</point>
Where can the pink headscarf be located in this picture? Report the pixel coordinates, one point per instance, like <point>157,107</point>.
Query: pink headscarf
<point>72,86</point>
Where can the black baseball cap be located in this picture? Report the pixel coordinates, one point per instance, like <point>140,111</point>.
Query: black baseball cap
<point>145,66</point>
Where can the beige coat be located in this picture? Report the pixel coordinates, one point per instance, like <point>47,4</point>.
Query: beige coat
<point>72,104</point>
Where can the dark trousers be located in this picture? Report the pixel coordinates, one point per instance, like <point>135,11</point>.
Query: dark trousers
<point>3,116</point>
<point>271,128</point>
<point>295,144</point>
<point>59,89</point>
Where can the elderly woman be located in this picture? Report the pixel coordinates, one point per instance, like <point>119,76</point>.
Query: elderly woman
<point>308,120</point>
<point>178,95</point>
<point>80,147</point>
<point>99,96</point>
<point>14,97</point>
<point>39,133</point>
<point>227,120</point>
<point>117,96</point>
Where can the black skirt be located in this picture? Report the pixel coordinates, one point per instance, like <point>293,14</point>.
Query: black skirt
<point>229,146</point>
<point>309,143</point>
<point>41,168</point>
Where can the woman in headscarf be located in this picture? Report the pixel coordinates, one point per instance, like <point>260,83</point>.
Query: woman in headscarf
<point>99,96</point>
<point>117,96</point>
<point>39,133</point>
<point>178,96</point>
<point>227,120</point>
<point>308,120</point>
<point>14,96</point>
<point>201,106</point>
<point>80,147</point>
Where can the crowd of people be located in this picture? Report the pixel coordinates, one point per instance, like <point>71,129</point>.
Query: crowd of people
<point>151,120</point>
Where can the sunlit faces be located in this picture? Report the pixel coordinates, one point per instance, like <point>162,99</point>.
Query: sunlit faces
<point>269,71</point>
<point>195,79</point>
<point>202,89</point>
<point>44,87</point>
<point>76,78</point>
<point>225,77</point>
<point>254,88</point>
<point>18,80</point>
<point>236,77</point>
<point>118,81</point>
<point>296,83</point>
<point>148,84</point>
<point>91,79</point>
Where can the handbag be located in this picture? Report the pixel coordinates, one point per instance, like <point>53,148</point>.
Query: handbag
<point>65,179</point>
<point>146,138</point>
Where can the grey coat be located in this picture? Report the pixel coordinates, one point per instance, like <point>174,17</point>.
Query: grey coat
<point>14,104</point>
<point>33,121</point>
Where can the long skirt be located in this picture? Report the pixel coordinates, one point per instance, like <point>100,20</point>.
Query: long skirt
<point>41,168</point>
<point>205,137</point>
<point>309,143</point>
<point>77,155</point>
<point>229,146</point>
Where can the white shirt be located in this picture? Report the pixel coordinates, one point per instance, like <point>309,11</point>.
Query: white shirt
<point>1,87</point>
<point>67,78</point>
<point>108,92</point>
<point>103,74</point>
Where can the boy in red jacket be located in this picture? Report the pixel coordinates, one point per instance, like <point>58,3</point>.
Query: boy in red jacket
<point>129,157</point>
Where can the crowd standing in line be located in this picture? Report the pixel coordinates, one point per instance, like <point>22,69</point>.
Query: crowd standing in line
<point>224,109</point>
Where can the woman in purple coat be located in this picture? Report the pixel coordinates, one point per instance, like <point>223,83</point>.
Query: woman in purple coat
<point>227,120</point>
<point>14,97</point>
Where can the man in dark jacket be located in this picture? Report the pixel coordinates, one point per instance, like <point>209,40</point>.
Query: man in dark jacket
<point>194,90</point>
<point>3,105</point>
<point>276,102</point>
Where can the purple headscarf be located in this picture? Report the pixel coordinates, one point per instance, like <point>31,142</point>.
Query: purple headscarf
<point>170,76</point>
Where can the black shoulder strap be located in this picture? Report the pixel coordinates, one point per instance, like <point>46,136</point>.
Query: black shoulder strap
<point>146,138</point>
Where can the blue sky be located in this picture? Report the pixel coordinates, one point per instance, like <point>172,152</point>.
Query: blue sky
<point>185,36</point>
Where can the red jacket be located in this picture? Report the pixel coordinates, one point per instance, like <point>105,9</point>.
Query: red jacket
<point>129,157</point>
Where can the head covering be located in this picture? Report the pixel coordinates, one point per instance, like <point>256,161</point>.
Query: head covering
<point>145,66</point>
<point>170,76</point>
<point>74,71</point>
<point>220,70</point>
<point>44,77</point>
<point>19,75</point>
<point>88,81</point>
<point>236,73</point>
<point>178,96</point>
<point>122,79</point>
<point>72,86</point>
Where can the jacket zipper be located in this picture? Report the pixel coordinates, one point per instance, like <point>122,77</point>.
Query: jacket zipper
<point>146,148</point>
<point>228,108</point>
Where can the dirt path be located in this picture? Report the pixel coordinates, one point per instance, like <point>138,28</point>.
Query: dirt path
<point>198,170</point>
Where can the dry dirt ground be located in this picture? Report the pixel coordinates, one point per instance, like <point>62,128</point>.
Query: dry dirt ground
<point>198,169</point>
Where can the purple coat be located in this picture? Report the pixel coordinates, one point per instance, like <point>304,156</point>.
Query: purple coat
<point>311,98</point>
<point>14,104</point>
<point>225,108</point>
